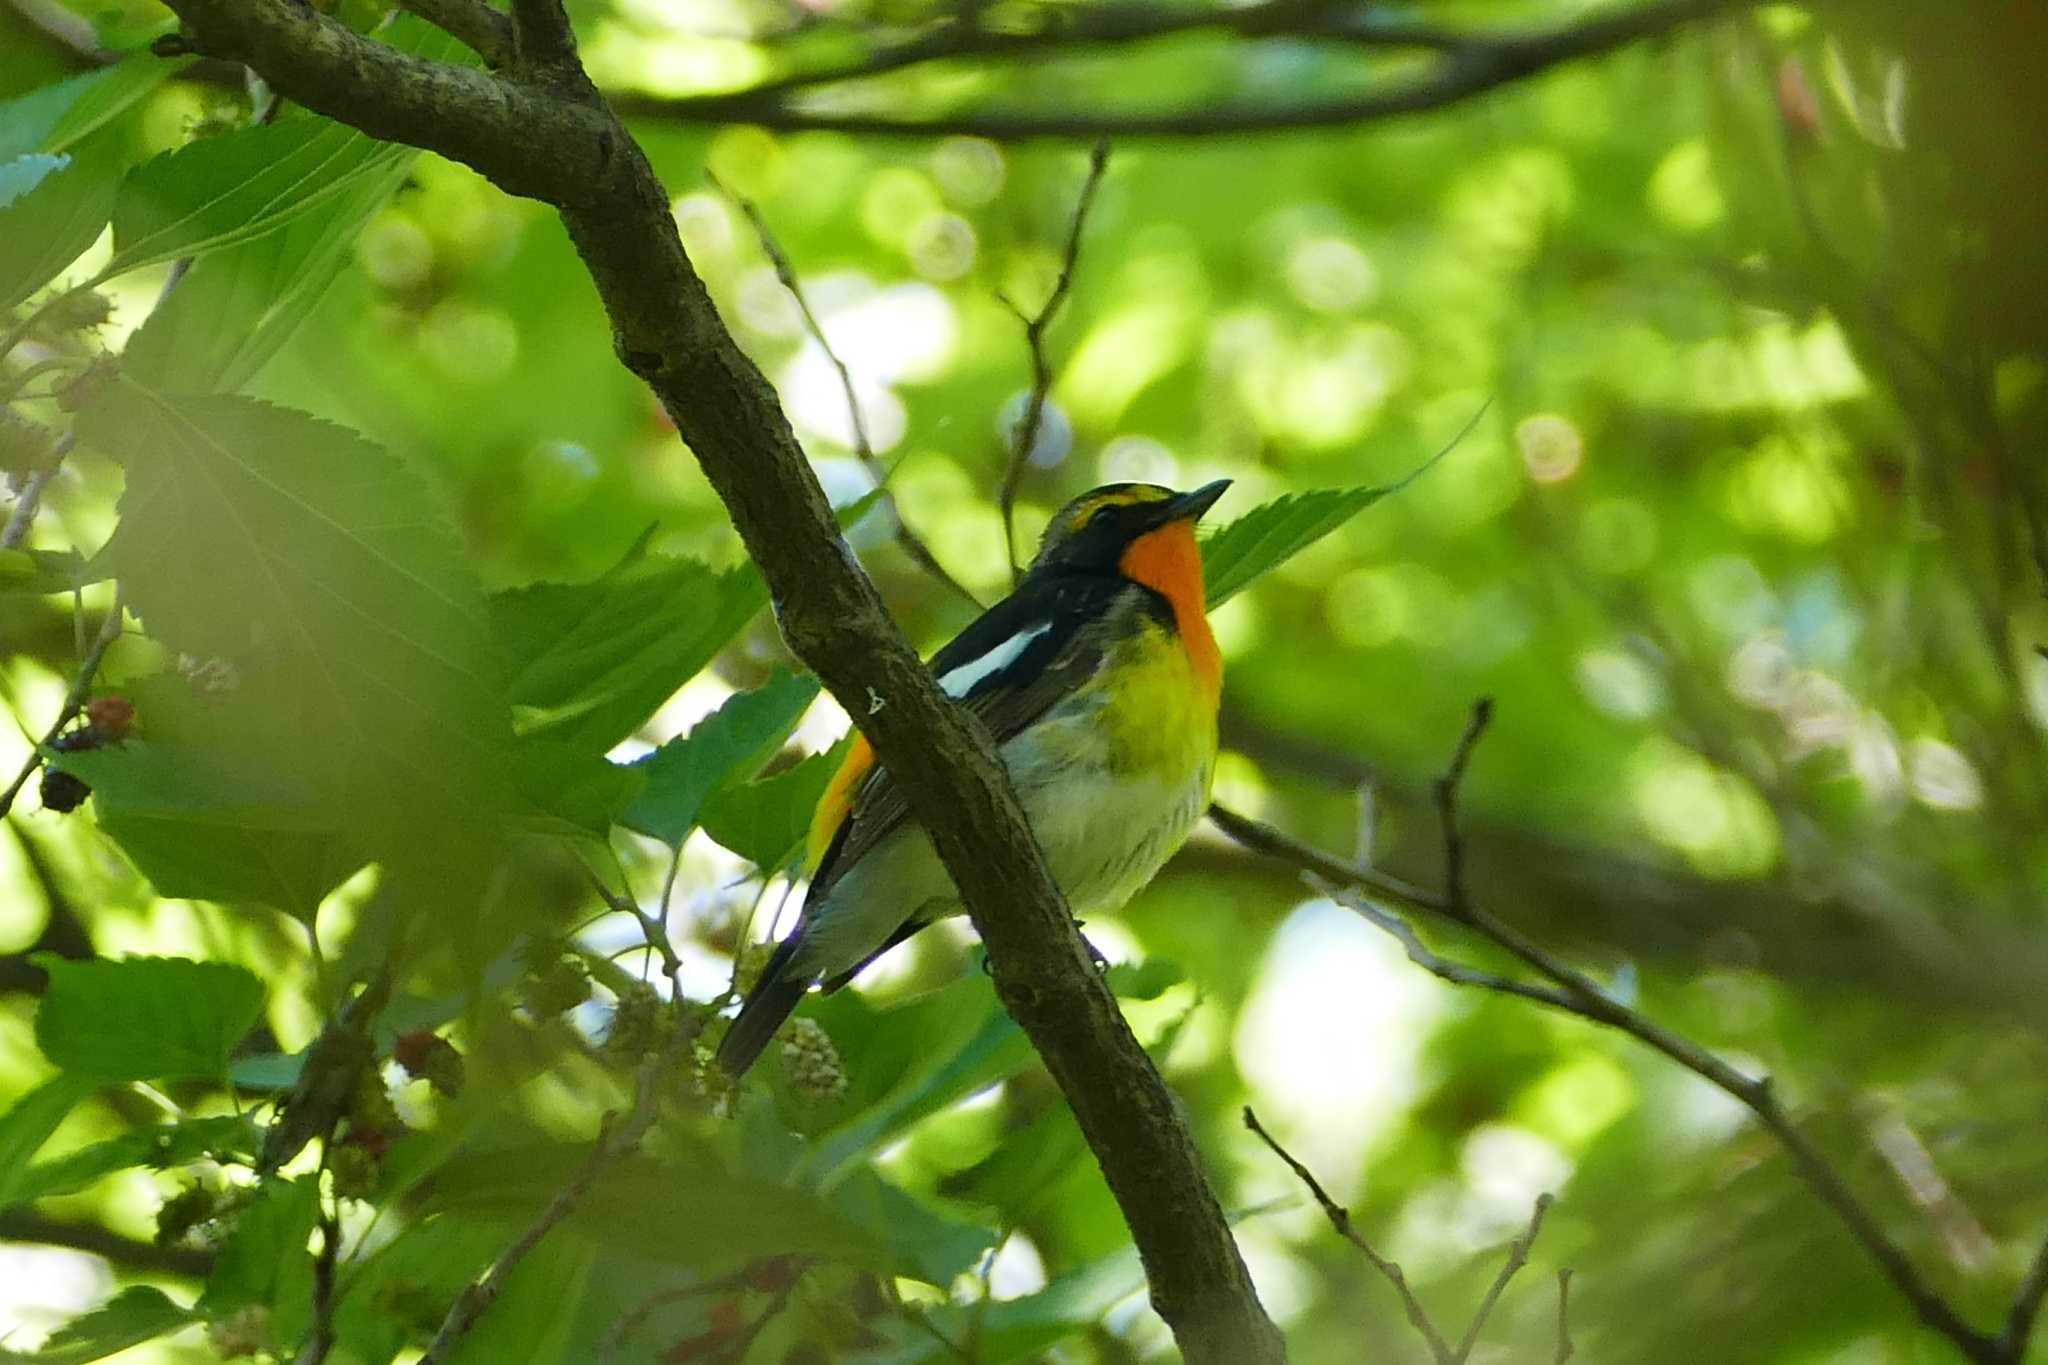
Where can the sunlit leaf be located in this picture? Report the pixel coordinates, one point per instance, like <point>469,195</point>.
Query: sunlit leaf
<point>234,309</point>
<point>24,173</point>
<point>55,117</point>
<point>131,1317</point>
<point>144,1018</point>
<point>1268,536</point>
<point>222,190</point>
<point>726,744</point>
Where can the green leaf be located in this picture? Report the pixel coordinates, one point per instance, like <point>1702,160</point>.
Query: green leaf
<point>355,629</point>
<point>930,1245</point>
<point>529,1323</point>
<point>131,1317</point>
<point>592,661</point>
<point>908,1061</point>
<point>684,1209</point>
<point>269,1259</point>
<point>765,822</point>
<point>144,1018</point>
<point>1267,537</point>
<point>235,308</point>
<point>159,1147</point>
<point>200,828</point>
<point>580,790</point>
<point>222,190</point>
<point>57,116</point>
<point>47,227</point>
<point>26,1126</point>
<point>1023,1328</point>
<point>727,744</point>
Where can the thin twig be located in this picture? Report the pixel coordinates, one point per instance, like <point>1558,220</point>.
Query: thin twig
<point>863,448</point>
<point>74,700</point>
<point>1447,804</point>
<point>1518,1256</point>
<point>1340,1219</point>
<point>30,500</point>
<point>654,930</point>
<point>472,23</point>
<point>1564,1316</point>
<point>320,1337</point>
<point>1457,973</point>
<point>1041,369</point>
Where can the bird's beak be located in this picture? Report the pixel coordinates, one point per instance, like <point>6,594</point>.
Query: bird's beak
<point>1190,506</point>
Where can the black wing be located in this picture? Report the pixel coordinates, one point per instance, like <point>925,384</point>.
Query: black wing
<point>1009,667</point>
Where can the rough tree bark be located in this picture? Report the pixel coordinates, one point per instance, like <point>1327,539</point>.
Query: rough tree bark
<point>543,131</point>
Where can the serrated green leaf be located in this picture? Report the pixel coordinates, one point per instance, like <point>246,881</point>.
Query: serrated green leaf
<point>765,822</point>
<point>144,1018</point>
<point>268,1260</point>
<point>46,228</point>
<point>571,789</point>
<point>222,190</point>
<point>131,1317</point>
<point>1023,1328</point>
<point>158,1147</point>
<point>592,661</point>
<point>200,828</point>
<point>726,745</point>
<point>235,308</point>
<point>930,1245</point>
<point>26,1126</point>
<point>362,664</point>
<point>1266,537</point>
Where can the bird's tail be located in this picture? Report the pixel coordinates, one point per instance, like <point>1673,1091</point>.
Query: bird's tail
<point>767,1005</point>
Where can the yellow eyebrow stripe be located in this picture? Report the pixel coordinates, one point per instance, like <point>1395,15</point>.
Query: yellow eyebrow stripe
<point>1123,497</point>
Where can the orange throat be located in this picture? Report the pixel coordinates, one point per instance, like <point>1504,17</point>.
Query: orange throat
<point>1170,563</point>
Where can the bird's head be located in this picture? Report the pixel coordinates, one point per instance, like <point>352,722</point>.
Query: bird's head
<point>1113,528</point>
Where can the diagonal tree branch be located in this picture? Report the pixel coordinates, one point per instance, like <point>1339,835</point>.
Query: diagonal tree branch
<point>1468,65</point>
<point>472,23</point>
<point>554,141</point>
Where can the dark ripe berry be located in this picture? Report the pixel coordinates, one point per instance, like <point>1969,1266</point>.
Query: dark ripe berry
<point>62,792</point>
<point>110,716</point>
<point>431,1058</point>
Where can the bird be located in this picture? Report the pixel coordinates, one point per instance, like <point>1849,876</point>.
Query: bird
<point>1099,678</point>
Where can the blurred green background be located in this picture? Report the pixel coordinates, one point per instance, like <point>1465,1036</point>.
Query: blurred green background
<point>1748,545</point>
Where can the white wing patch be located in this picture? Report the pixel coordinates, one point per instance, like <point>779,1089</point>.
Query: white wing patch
<point>961,679</point>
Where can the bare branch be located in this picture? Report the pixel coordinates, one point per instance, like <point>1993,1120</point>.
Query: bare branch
<point>913,545</point>
<point>1457,973</point>
<point>1041,369</point>
<point>25,1225</point>
<point>1470,65</point>
<point>1340,1219</point>
<point>472,23</point>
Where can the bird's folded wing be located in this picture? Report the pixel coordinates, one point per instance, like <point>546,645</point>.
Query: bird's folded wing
<point>1009,668</point>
